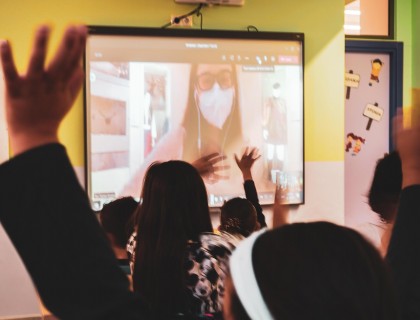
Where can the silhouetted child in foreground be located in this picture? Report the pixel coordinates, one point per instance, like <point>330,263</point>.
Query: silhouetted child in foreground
<point>116,219</point>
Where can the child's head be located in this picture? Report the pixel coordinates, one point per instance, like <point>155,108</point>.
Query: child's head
<point>115,218</point>
<point>386,185</point>
<point>315,270</point>
<point>238,216</point>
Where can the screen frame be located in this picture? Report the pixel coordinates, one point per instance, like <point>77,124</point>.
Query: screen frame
<point>190,33</point>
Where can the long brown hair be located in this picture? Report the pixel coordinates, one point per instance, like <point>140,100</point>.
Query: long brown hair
<point>193,119</point>
<point>174,210</point>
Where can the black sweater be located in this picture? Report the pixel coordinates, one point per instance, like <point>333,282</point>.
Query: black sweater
<point>48,218</point>
<point>404,253</point>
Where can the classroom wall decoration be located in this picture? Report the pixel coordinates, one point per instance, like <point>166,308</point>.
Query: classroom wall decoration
<point>373,82</point>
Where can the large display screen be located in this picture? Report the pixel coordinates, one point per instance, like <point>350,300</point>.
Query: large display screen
<point>161,94</point>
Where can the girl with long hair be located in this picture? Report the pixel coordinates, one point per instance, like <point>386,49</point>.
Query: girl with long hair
<point>179,264</point>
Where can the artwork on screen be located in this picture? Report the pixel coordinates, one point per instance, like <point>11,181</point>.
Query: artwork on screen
<point>158,94</point>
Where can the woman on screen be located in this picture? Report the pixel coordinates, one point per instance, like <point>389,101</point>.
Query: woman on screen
<point>211,120</point>
<point>210,124</point>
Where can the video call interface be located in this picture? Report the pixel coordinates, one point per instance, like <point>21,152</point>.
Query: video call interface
<point>158,98</point>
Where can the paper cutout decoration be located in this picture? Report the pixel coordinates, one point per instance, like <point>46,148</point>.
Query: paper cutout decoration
<point>376,69</point>
<point>373,112</point>
<point>354,143</point>
<point>351,80</point>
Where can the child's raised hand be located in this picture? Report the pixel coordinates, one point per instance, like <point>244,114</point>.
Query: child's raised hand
<point>38,99</point>
<point>245,163</point>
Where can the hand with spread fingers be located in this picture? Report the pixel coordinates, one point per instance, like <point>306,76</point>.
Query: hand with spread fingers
<point>209,167</point>
<point>38,100</point>
<point>246,162</point>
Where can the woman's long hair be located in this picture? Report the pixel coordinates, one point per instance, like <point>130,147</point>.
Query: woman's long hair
<point>196,125</point>
<point>174,210</point>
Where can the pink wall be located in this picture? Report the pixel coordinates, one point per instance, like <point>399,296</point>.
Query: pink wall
<point>374,18</point>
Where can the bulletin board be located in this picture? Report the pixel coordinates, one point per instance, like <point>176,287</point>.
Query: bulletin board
<point>373,92</point>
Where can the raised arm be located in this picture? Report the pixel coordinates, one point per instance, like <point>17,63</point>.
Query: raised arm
<point>245,164</point>
<point>42,206</point>
<point>404,248</point>
<point>37,101</point>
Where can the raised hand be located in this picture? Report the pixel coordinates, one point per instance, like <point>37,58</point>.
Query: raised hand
<point>38,100</point>
<point>209,167</point>
<point>407,142</point>
<point>246,162</point>
<point>280,209</point>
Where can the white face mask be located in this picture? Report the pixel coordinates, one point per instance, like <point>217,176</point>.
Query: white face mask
<point>216,104</point>
<point>276,93</point>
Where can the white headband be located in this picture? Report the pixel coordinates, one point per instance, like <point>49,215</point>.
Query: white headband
<point>244,281</point>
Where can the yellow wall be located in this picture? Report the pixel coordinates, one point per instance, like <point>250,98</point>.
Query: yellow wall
<point>416,43</point>
<point>403,32</point>
<point>415,54</point>
<point>321,21</point>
